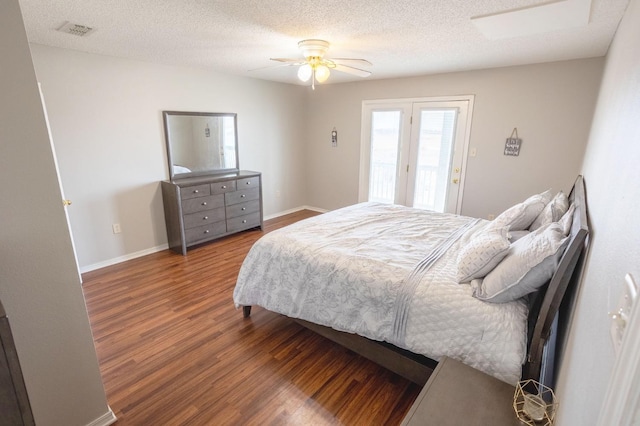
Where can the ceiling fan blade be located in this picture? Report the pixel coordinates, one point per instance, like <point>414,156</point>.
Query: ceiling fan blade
<point>351,70</point>
<point>352,61</point>
<point>290,61</point>
<point>272,66</point>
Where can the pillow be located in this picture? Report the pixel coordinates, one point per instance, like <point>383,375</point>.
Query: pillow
<point>530,262</point>
<point>516,235</point>
<point>567,220</point>
<point>552,212</point>
<point>482,253</point>
<point>520,216</point>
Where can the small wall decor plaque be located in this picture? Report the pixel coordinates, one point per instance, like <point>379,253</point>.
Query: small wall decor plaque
<point>512,145</point>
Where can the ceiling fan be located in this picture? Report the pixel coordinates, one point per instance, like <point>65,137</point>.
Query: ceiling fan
<point>316,67</point>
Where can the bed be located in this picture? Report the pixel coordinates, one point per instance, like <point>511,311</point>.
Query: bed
<point>405,287</point>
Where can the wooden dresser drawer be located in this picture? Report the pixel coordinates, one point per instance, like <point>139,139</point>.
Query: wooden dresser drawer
<point>202,203</point>
<point>203,218</point>
<point>194,191</point>
<point>248,183</point>
<point>243,222</point>
<point>222,187</point>
<point>203,233</point>
<point>203,208</point>
<point>241,196</point>
<point>242,209</point>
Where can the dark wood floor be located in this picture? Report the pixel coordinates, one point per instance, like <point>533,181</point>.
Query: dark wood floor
<point>173,349</point>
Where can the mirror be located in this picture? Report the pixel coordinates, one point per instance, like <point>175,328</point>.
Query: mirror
<point>200,143</point>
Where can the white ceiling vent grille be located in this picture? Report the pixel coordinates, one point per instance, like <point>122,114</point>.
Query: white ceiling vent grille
<point>75,29</point>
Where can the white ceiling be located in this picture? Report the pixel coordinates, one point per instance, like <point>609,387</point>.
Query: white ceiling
<point>400,38</point>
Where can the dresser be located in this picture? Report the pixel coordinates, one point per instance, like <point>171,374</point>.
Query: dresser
<point>203,208</point>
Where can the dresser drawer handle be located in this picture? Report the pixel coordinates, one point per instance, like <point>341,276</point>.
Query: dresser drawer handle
<point>224,186</point>
<point>206,231</point>
<point>243,209</point>
<point>242,196</point>
<point>204,203</point>
<point>195,191</point>
<point>248,182</point>
<point>244,221</point>
<point>205,218</point>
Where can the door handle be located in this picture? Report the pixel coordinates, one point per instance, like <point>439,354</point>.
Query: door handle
<point>66,202</point>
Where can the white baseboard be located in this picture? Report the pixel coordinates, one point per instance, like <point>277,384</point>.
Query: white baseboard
<point>297,209</point>
<point>156,249</point>
<point>104,420</point>
<point>124,258</point>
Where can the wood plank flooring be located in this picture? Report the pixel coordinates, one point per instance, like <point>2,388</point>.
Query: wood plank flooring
<point>173,350</point>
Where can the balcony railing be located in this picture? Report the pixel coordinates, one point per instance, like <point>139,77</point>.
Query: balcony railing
<point>383,180</point>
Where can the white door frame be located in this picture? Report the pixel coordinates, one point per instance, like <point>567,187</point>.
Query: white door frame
<point>621,405</point>
<point>365,142</point>
<point>55,163</point>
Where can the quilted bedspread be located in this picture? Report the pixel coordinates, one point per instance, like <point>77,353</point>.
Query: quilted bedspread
<point>363,269</point>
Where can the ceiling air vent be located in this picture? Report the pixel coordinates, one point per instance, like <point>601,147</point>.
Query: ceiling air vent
<point>75,29</point>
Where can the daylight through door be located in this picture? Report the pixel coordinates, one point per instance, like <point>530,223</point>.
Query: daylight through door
<point>414,152</point>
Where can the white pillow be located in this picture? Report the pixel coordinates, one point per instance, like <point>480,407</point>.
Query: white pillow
<point>552,212</point>
<point>516,235</point>
<point>530,262</point>
<point>520,216</point>
<point>567,220</point>
<point>482,253</point>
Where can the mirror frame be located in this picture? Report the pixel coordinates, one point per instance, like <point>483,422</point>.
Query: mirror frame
<point>172,175</point>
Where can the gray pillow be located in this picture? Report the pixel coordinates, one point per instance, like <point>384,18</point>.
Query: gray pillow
<point>530,262</point>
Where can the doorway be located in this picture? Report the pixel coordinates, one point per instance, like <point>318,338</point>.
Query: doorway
<point>414,152</point>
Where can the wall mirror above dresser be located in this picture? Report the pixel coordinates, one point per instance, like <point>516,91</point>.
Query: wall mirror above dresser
<point>201,143</point>
<point>207,196</point>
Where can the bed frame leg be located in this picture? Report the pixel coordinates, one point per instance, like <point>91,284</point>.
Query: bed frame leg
<point>246,311</point>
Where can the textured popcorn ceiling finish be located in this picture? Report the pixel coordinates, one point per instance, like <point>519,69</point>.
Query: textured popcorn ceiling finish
<point>400,38</point>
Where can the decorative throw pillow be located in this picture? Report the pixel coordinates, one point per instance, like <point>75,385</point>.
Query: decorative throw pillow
<point>482,253</point>
<point>530,262</point>
<point>520,216</point>
<point>552,212</point>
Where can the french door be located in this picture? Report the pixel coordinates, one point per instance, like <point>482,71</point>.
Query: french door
<point>413,152</point>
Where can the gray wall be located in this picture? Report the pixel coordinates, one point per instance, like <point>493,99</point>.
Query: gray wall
<point>39,282</point>
<point>550,104</point>
<point>611,175</point>
<point>105,116</point>
<point>106,123</point>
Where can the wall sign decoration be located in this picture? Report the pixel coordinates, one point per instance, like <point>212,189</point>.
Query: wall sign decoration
<point>512,145</point>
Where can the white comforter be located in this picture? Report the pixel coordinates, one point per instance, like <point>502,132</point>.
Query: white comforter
<point>349,269</point>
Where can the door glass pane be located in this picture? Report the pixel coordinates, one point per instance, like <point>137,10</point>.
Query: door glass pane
<point>434,158</point>
<point>385,137</point>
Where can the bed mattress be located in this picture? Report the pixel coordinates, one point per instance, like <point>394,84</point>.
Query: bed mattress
<point>387,273</point>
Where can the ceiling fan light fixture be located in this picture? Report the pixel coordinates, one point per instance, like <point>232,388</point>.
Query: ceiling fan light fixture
<point>322,73</point>
<point>313,47</point>
<point>316,69</point>
<point>304,72</point>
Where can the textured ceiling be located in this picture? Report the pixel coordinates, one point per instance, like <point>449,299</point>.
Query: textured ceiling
<point>400,38</point>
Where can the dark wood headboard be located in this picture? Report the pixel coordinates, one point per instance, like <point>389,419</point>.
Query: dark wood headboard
<point>544,308</point>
